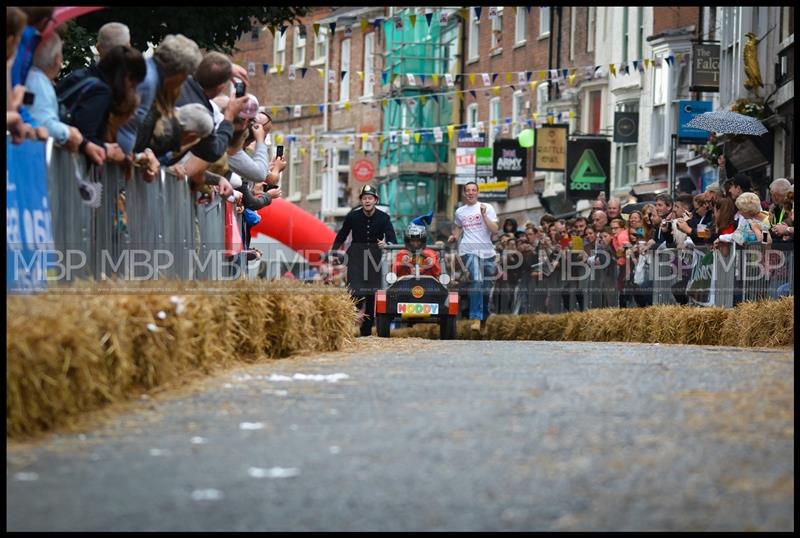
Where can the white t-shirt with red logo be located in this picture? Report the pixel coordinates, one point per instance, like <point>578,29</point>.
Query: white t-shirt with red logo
<point>476,238</point>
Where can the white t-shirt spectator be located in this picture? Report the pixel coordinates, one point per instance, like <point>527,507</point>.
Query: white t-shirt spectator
<point>476,238</point>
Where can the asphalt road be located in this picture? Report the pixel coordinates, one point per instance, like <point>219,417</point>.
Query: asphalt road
<point>411,434</point>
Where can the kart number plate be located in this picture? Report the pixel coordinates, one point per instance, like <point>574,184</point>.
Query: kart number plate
<point>417,310</point>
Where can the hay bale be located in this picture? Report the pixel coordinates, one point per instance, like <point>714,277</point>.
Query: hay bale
<point>99,342</point>
<point>767,323</point>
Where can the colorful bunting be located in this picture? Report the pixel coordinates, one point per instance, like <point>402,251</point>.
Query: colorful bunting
<point>429,18</point>
<point>316,29</point>
<point>477,13</point>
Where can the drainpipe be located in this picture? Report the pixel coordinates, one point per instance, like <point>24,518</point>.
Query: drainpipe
<point>558,47</point>
<point>550,57</point>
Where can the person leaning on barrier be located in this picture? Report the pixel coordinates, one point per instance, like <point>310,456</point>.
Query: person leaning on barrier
<point>175,58</point>
<point>661,220</point>
<point>782,227</point>
<point>104,101</point>
<point>750,226</point>
<point>192,124</point>
<point>699,223</point>
<point>18,121</point>
<point>213,76</point>
<point>737,185</point>
<point>46,64</point>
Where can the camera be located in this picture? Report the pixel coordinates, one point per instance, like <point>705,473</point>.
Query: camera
<point>28,98</point>
<point>239,87</point>
<point>765,236</point>
<point>279,151</point>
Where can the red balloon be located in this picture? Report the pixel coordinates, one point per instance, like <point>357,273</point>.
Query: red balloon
<point>296,228</point>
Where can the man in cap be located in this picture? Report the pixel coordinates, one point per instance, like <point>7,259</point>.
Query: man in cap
<point>372,230</point>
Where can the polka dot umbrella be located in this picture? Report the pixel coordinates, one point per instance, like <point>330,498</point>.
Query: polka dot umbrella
<point>727,122</point>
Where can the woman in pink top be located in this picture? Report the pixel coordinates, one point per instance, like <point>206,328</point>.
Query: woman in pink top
<point>619,242</point>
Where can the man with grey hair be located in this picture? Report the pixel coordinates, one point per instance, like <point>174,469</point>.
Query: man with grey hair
<point>613,208</point>
<point>782,229</point>
<point>175,58</point>
<point>44,110</point>
<point>111,35</point>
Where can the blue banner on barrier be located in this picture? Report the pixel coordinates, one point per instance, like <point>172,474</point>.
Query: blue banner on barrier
<point>29,234</point>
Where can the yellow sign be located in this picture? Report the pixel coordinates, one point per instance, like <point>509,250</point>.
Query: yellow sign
<point>417,292</point>
<point>492,186</point>
<point>550,148</point>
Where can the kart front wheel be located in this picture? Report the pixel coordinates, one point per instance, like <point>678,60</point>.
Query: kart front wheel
<point>382,323</point>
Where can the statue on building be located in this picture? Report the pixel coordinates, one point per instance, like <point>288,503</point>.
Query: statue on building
<point>750,58</point>
<point>751,68</point>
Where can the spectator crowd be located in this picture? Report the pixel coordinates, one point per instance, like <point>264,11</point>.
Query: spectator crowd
<point>180,110</point>
<point>189,112</point>
<point>604,259</point>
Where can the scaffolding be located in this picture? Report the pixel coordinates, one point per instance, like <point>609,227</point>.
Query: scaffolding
<point>414,174</point>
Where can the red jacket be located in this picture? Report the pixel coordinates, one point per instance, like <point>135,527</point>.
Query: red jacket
<point>428,264</point>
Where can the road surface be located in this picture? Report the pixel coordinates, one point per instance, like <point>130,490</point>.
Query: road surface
<point>411,434</point>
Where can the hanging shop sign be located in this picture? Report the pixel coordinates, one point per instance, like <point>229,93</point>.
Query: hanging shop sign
<point>509,159</point>
<point>550,148</point>
<point>705,68</point>
<point>687,110</point>
<point>465,155</point>
<point>626,127</point>
<point>489,188</point>
<point>588,167</point>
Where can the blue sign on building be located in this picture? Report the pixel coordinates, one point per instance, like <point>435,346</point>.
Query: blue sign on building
<point>686,111</point>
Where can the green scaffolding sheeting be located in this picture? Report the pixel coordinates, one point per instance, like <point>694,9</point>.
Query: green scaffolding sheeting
<point>417,171</point>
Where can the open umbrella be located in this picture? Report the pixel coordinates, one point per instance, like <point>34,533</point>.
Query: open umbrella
<point>66,13</point>
<point>727,122</point>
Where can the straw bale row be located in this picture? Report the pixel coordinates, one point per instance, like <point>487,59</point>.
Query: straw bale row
<point>74,352</point>
<point>752,324</point>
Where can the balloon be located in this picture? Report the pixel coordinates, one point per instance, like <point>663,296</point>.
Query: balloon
<point>525,138</point>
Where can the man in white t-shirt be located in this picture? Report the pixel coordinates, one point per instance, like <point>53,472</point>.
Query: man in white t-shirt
<point>475,223</point>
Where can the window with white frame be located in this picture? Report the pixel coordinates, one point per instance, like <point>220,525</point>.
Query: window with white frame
<point>572,25</point>
<point>279,49</point>
<point>317,163</point>
<point>541,99</point>
<point>544,21</point>
<point>497,30</point>
<point>299,49</point>
<point>640,33</point>
<point>342,157</point>
<point>517,112</point>
<point>520,26</point>
<point>626,154</point>
<point>344,89</point>
<point>472,115</point>
<point>474,37</point>
<point>591,18</point>
<point>320,46</point>
<point>369,63</point>
<point>660,95</point>
<point>626,31</point>
<point>730,53</point>
<point>495,113</point>
<point>626,166</point>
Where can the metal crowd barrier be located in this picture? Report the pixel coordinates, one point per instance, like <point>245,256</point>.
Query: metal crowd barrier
<point>140,230</point>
